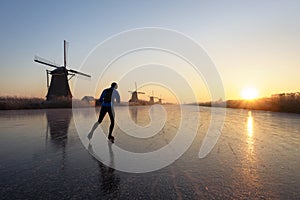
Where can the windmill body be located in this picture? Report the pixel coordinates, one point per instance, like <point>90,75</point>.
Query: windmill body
<point>59,86</point>
<point>160,101</point>
<point>134,95</point>
<point>151,100</point>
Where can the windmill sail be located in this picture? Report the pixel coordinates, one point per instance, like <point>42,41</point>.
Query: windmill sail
<point>80,73</point>
<point>45,62</point>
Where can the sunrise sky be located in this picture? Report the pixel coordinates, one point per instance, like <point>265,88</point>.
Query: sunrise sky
<point>253,44</point>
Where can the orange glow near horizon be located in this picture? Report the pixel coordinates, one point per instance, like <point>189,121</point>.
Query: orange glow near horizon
<point>249,93</point>
<point>159,92</point>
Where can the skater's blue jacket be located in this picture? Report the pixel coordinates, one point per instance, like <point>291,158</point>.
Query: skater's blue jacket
<point>114,97</point>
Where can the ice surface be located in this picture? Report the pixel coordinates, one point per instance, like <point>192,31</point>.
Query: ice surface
<point>257,156</point>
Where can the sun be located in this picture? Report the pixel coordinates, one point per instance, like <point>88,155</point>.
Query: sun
<point>249,93</point>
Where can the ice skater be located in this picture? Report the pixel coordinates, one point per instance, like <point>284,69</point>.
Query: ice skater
<point>107,99</point>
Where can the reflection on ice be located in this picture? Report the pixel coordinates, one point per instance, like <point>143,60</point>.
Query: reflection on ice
<point>250,140</point>
<point>250,124</point>
<point>180,137</point>
<point>110,181</point>
<point>129,123</point>
<point>58,124</point>
<point>256,157</point>
<point>250,163</point>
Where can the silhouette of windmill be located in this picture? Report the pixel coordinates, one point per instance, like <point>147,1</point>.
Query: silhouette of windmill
<point>134,95</point>
<point>160,100</point>
<point>151,100</point>
<point>59,85</point>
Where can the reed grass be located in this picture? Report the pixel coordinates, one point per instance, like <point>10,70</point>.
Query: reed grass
<point>283,102</point>
<point>17,103</point>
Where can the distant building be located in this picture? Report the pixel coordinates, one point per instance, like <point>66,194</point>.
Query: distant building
<point>89,100</point>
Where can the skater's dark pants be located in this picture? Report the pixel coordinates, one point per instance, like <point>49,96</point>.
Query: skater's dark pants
<point>110,111</point>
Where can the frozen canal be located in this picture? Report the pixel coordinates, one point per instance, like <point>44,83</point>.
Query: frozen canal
<point>257,156</point>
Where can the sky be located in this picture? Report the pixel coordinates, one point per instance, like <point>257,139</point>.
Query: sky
<point>251,43</point>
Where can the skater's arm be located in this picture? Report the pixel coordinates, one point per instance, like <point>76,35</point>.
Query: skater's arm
<point>116,96</point>
<point>118,99</point>
<point>101,99</point>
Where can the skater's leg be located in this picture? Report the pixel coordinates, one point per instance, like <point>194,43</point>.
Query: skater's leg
<point>90,135</point>
<point>103,111</point>
<point>112,122</point>
<point>101,116</point>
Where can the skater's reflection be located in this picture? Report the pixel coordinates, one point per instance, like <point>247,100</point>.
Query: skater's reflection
<point>109,180</point>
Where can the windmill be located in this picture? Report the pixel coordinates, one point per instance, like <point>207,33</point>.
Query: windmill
<point>151,100</point>
<point>59,85</point>
<point>134,95</point>
<point>160,100</point>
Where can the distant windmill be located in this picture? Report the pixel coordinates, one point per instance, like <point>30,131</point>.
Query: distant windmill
<point>59,85</point>
<point>151,100</point>
<point>134,95</point>
<point>159,100</point>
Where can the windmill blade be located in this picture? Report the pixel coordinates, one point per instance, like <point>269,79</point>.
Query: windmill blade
<point>65,53</point>
<point>80,73</point>
<point>45,62</point>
